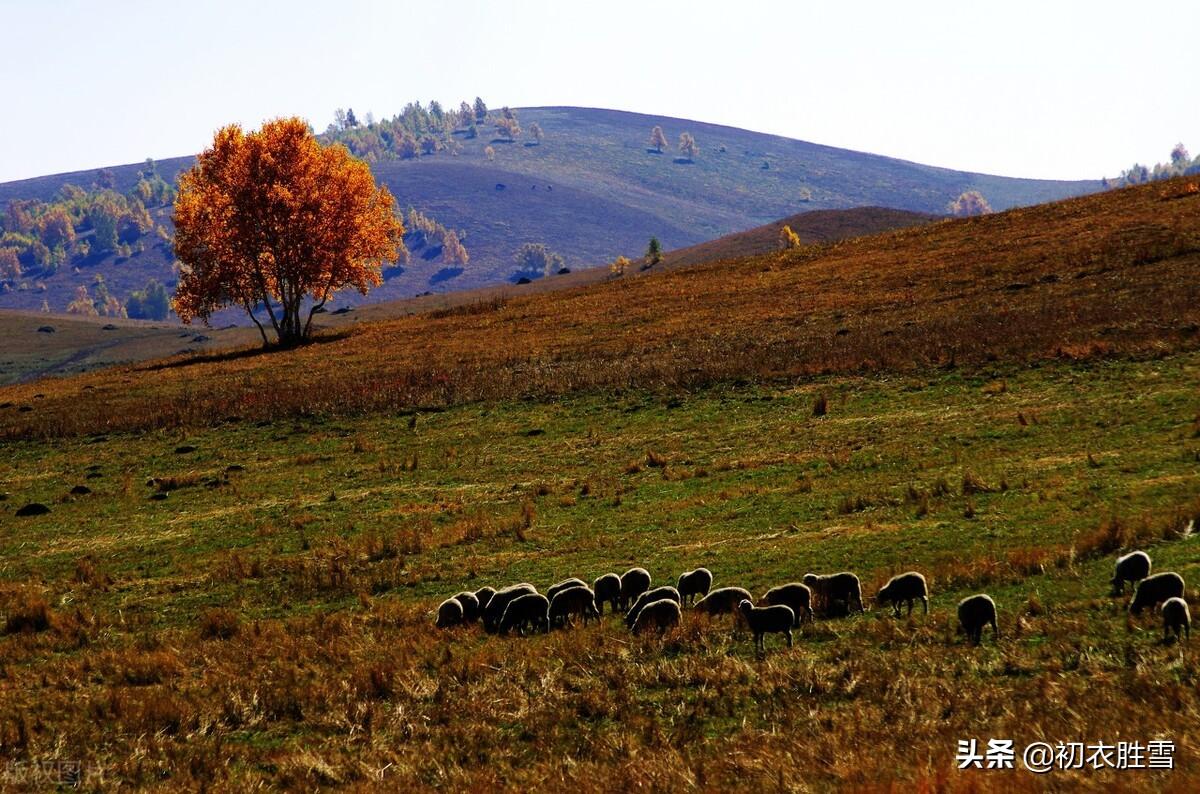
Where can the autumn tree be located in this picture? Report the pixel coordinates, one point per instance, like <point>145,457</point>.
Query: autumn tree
<point>658,138</point>
<point>429,144</point>
<point>83,303</point>
<point>273,218</point>
<point>480,109</point>
<point>969,203</point>
<point>687,145</point>
<point>535,132</point>
<point>654,252</point>
<point>788,238</point>
<point>535,259</point>
<point>453,251</point>
<point>618,266</point>
<point>10,264</point>
<point>57,229</point>
<point>489,153</point>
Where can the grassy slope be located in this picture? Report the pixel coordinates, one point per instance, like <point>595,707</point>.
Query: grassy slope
<point>1108,273</point>
<point>346,524</point>
<point>591,191</point>
<point>339,537</point>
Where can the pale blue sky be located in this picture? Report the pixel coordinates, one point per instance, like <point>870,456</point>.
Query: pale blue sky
<point>1036,89</point>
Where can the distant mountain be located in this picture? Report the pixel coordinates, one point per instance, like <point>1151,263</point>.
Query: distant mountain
<point>592,190</point>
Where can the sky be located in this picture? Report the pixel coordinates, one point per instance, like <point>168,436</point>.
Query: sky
<point>1051,89</point>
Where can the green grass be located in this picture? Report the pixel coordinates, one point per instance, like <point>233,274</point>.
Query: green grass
<point>339,538</point>
<point>753,486</point>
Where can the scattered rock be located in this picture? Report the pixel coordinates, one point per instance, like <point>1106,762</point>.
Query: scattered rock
<point>80,490</point>
<point>158,497</point>
<point>232,467</point>
<point>33,509</point>
<point>537,431</point>
<point>343,310</point>
<point>25,409</point>
<point>94,475</point>
<point>109,327</point>
<point>200,338</point>
<point>184,449</point>
<point>843,331</point>
<point>562,271</point>
<point>523,280</point>
<point>46,329</point>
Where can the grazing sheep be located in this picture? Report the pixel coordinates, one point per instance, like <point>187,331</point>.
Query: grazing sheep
<point>694,583</point>
<point>573,601</point>
<point>1132,568</point>
<point>975,612</point>
<point>529,610</point>
<point>470,605</point>
<point>905,587</point>
<point>500,601</point>
<point>449,613</point>
<point>723,600</point>
<point>662,614</point>
<point>1176,618</point>
<point>634,582</point>
<point>555,589</point>
<point>777,619</point>
<point>608,590</point>
<point>1153,590</point>
<point>832,588</point>
<point>484,594</point>
<point>794,595</point>
<point>649,597</point>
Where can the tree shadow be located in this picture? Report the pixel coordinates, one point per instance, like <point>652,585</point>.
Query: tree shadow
<point>192,358</point>
<point>389,273</point>
<point>684,160</point>
<point>445,274</point>
<point>652,150</point>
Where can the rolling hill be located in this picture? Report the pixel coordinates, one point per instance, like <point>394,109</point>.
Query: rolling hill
<point>591,190</point>
<point>1102,273</point>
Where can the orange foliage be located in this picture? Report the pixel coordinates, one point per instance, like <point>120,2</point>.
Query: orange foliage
<point>274,218</point>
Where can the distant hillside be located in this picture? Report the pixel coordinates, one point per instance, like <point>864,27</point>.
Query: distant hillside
<point>592,190</point>
<point>818,226</point>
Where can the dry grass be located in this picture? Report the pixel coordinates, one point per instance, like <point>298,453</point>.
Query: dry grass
<point>1102,275</point>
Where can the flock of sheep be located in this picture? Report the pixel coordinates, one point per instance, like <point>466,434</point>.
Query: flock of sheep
<point>521,608</point>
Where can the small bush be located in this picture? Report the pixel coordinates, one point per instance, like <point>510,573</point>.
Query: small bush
<point>219,624</point>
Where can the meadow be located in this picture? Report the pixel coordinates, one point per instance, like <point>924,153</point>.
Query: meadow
<point>268,622</point>
<point>234,586</point>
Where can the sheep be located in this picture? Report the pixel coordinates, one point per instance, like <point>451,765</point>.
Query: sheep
<point>1176,618</point>
<point>776,619</point>
<point>573,601</point>
<point>1153,590</point>
<point>662,614</point>
<point>975,612</point>
<point>449,613</point>
<point>1132,568</point>
<point>794,595</point>
<point>723,600</point>
<point>470,605</point>
<point>555,589</point>
<point>634,582</point>
<point>649,597</point>
<point>694,583</point>
<point>834,587</point>
<point>499,602</point>
<point>608,590</point>
<point>905,587</point>
<point>484,594</point>
<point>530,609</point>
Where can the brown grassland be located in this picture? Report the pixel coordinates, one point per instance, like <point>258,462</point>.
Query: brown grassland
<point>1109,273</point>
<point>241,598</point>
